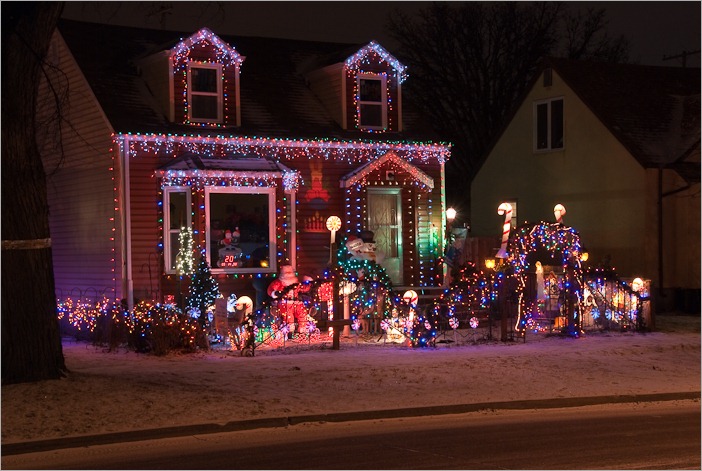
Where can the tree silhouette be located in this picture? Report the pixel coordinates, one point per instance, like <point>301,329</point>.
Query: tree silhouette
<point>31,341</point>
<point>471,62</point>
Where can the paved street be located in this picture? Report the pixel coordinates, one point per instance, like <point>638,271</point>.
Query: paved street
<point>663,435</point>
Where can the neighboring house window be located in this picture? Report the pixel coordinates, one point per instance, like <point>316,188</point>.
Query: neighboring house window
<point>372,101</point>
<point>548,124</point>
<point>514,220</point>
<point>205,93</point>
<point>176,215</point>
<point>241,226</point>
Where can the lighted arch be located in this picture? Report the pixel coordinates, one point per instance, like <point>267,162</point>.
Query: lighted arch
<point>558,240</point>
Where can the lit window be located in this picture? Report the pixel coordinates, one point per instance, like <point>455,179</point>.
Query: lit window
<point>176,215</point>
<point>513,221</point>
<point>548,125</point>
<point>205,93</point>
<point>241,229</point>
<point>372,101</point>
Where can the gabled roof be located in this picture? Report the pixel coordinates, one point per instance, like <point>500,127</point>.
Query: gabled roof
<point>227,53</point>
<point>354,61</point>
<point>275,99</point>
<point>390,159</point>
<point>653,111</point>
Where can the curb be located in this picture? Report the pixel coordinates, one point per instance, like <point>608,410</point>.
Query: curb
<point>235,426</point>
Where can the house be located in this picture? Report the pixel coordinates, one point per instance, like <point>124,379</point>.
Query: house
<point>619,147</point>
<point>250,142</point>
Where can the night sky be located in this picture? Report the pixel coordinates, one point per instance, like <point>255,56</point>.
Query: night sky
<point>654,29</point>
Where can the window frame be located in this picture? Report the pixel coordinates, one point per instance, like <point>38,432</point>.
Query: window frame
<point>513,221</point>
<point>383,103</point>
<point>219,93</point>
<point>167,230</point>
<point>272,228</point>
<point>549,125</point>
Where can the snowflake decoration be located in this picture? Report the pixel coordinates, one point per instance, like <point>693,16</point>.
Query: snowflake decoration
<point>311,326</point>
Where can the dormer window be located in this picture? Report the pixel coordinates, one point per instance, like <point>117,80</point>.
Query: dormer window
<point>372,101</point>
<point>371,91</point>
<point>205,82</point>
<point>205,93</point>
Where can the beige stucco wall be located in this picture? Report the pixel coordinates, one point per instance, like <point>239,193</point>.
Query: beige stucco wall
<point>600,184</point>
<point>681,231</point>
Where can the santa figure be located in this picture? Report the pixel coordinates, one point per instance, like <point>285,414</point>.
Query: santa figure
<point>289,308</point>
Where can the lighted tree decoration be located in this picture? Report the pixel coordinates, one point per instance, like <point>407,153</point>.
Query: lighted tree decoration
<point>204,290</point>
<point>184,263</point>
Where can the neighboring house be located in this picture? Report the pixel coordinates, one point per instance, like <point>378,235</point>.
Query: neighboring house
<point>251,142</point>
<point>619,147</point>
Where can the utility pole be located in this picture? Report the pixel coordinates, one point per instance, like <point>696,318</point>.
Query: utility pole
<point>683,55</point>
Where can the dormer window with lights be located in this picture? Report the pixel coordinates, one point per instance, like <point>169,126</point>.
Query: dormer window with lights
<point>373,82</point>
<point>205,81</point>
<point>205,93</point>
<point>372,101</point>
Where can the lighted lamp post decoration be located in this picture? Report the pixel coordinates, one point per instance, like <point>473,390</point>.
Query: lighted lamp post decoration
<point>333,225</point>
<point>449,249</point>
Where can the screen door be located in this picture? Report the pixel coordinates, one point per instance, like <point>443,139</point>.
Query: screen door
<point>384,219</point>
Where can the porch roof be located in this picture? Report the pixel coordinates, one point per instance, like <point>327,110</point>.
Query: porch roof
<point>391,160</point>
<point>243,168</point>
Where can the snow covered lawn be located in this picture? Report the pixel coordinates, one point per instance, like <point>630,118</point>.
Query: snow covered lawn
<point>121,391</point>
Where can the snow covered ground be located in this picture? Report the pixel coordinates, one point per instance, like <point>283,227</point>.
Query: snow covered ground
<point>122,390</point>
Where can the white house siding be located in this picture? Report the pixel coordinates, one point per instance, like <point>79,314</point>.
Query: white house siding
<point>80,186</point>
<point>594,177</point>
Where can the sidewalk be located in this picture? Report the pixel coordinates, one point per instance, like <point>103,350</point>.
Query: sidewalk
<point>200,429</point>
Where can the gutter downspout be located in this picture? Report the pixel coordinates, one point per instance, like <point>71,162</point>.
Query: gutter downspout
<point>126,204</point>
<point>660,231</point>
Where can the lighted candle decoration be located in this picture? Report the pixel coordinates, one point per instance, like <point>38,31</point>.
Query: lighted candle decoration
<point>559,211</point>
<point>506,210</point>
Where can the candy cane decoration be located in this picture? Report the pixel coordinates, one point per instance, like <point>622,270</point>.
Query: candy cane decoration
<point>506,209</point>
<point>559,211</point>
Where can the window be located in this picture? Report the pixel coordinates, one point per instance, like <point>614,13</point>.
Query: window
<point>176,215</point>
<point>548,125</point>
<point>372,99</point>
<point>205,93</point>
<point>514,220</point>
<point>241,229</point>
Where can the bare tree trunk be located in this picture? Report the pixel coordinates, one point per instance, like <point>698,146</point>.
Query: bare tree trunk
<point>31,341</point>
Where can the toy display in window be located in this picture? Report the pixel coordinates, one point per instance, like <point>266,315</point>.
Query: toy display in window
<point>230,253</point>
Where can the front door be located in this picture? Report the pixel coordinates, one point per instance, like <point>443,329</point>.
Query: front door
<point>384,219</point>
